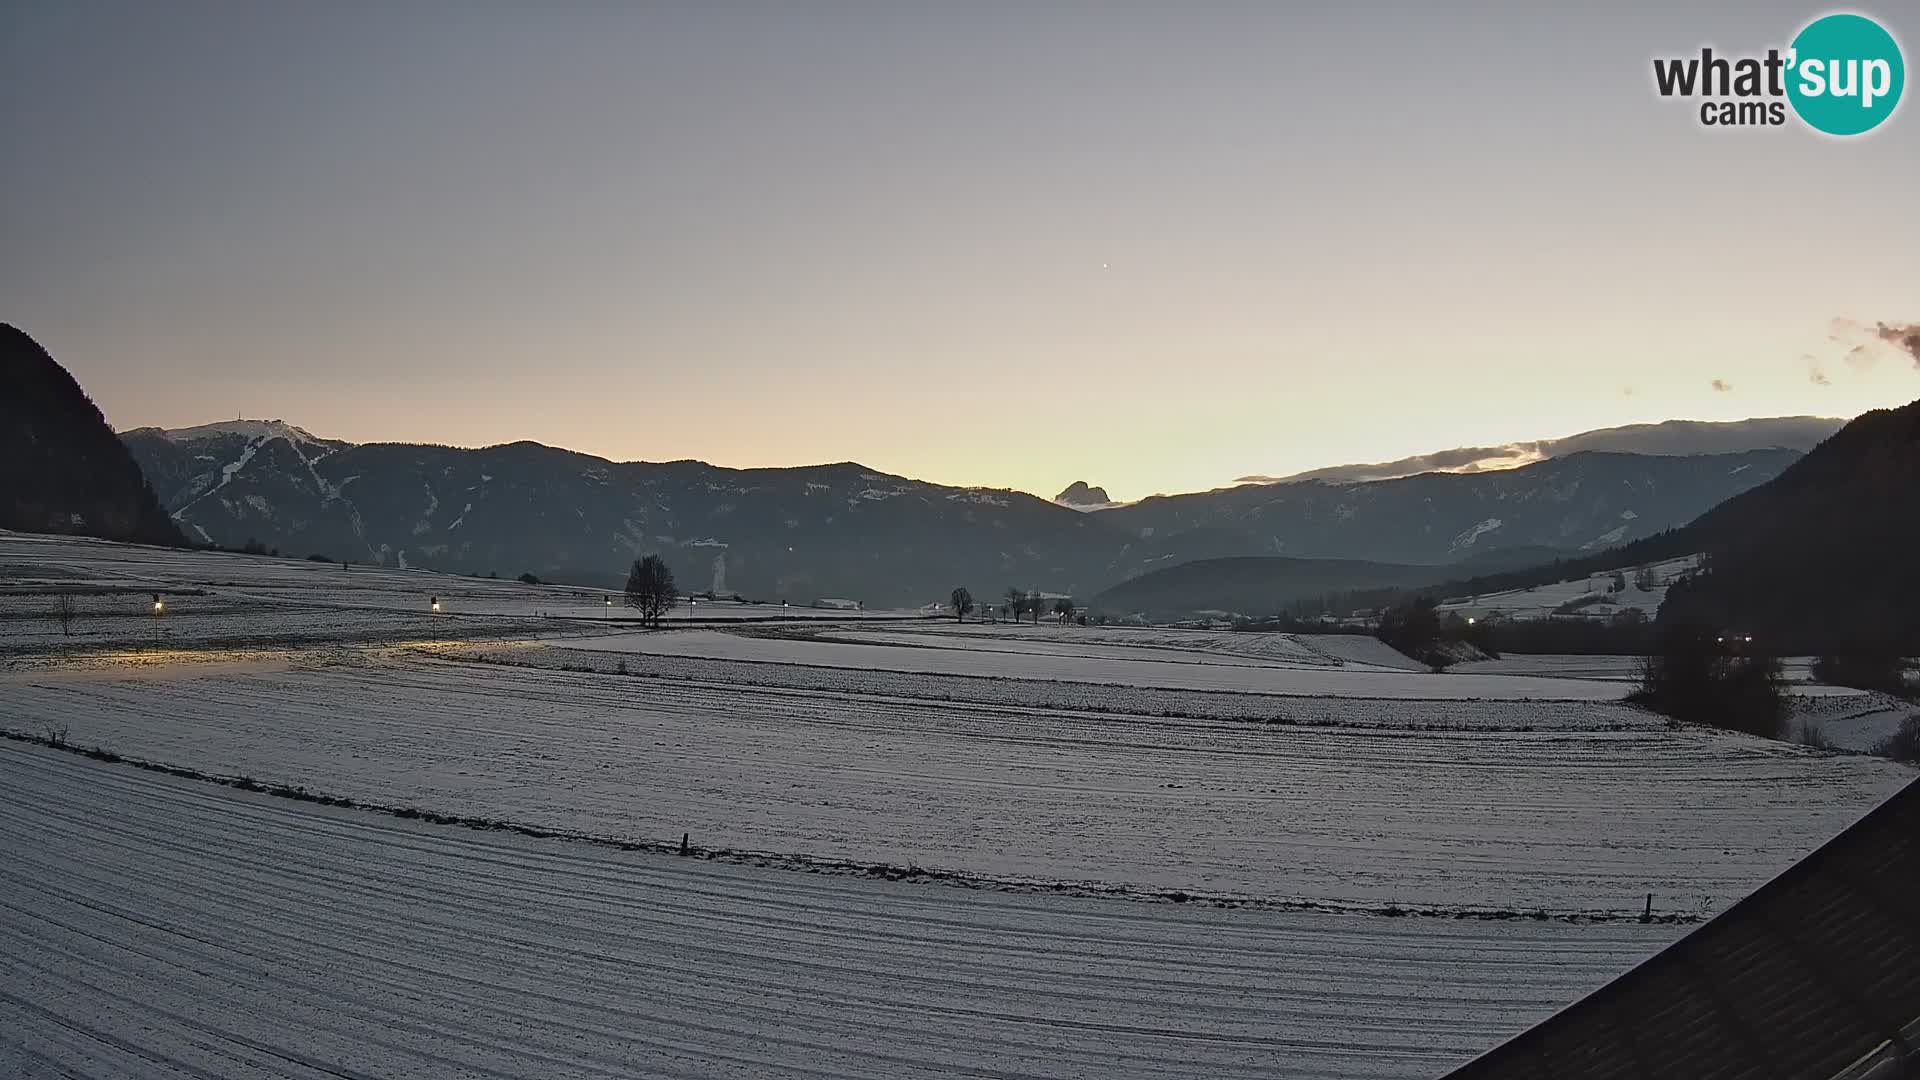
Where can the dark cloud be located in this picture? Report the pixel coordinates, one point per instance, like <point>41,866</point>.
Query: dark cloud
<point>1905,337</point>
<point>1722,386</point>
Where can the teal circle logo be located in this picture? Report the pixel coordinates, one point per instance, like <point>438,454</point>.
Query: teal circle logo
<point>1845,74</point>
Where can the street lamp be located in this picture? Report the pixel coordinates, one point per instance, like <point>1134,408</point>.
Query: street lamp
<point>434,604</point>
<point>159,605</point>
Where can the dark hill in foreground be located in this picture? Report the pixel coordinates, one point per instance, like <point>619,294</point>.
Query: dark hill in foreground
<point>1825,556</point>
<point>62,469</point>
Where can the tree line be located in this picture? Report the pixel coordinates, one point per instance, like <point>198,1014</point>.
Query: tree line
<point>1018,603</point>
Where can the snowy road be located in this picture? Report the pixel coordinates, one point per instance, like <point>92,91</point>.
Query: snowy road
<point>157,927</point>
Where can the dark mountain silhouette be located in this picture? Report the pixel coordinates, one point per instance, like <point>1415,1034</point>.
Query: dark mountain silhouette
<point>850,531</point>
<point>1079,495</point>
<point>62,470</point>
<point>1825,557</point>
<point>1585,502</point>
<point>798,533</point>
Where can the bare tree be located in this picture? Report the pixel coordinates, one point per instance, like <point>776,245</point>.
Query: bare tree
<point>1016,603</point>
<point>1035,605</point>
<point>1645,580</point>
<point>1063,609</point>
<point>650,589</point>
<point>65,611</point>
<point>962,603</point>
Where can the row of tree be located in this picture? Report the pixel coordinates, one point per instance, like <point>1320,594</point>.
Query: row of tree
<point>1019,604</point>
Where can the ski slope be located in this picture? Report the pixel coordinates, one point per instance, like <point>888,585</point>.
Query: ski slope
<point>162,927</point>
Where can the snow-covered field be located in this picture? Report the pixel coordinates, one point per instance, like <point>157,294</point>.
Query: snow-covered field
<point>1569,821</point>
<point>921,848</point>
<point>1617,668</point>
<point>1165,643</point>
<point>34,569</point>
<point>156,926</point>
<point>1372,713</point>
<point>1859,721</point>
<point>1071,665</point>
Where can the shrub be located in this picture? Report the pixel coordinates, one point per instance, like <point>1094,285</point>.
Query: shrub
<point>317,557</point>
<point>529,579</point>
<point>1808,734</point>
<point>1902,745</point>
<point>1885,671</point>
<point>1696,677</point>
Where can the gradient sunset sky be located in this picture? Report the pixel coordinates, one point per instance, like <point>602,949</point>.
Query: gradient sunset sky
<point>1155,247</point>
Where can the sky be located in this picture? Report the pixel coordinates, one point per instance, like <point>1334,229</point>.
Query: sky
<point>1151,246</point>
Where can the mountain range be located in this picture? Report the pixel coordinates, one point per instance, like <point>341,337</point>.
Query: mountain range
<point>1669,438</point>
<point>846,530</point>
<point>841,530</point>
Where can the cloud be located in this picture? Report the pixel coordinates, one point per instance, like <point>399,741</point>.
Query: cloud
<point>1867,343</point>
<point>1722,386</point>
<point>1667,437</point>
<point>1905,337</point>
<point>1462,459</point>
<point>1818,377</point>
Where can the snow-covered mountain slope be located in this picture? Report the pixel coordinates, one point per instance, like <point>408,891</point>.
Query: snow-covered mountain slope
<point>828,530</point>
<point>846,530</point>
<point>1582,503</point>
<point>1589,596</point>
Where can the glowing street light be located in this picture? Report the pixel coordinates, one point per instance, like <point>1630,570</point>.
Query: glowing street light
<point>434,604</point>
<point>159,605</point>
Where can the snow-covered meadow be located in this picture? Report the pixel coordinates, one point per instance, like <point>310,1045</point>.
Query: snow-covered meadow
<point>1064,661</point>
<point>921,847</point>
<point>158,926</point>
<point>1572,821</point>
<point>221,599</point>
